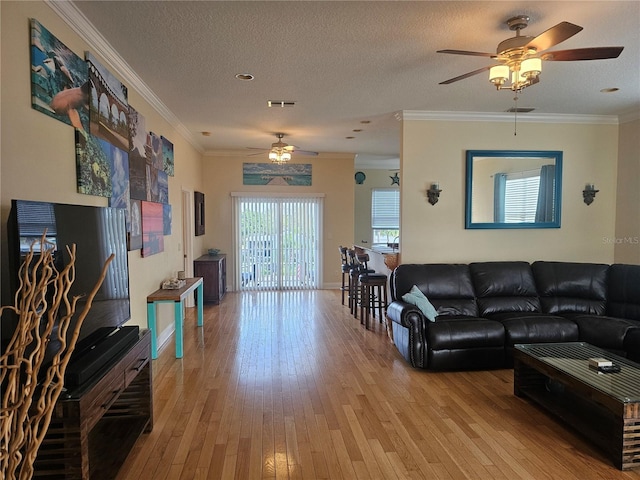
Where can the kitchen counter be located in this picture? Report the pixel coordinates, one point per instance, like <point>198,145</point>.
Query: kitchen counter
<point>382,258</point>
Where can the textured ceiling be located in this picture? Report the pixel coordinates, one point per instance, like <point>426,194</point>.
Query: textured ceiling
<point>343,62</point>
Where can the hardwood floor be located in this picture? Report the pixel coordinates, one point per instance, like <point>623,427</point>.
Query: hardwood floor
<point>288,385</point>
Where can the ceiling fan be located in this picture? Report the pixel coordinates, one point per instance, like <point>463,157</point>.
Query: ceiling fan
<point>519,59</point>
<point>280,152</point>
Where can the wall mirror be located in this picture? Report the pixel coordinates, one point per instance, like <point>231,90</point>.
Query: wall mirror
<point>513,189</point>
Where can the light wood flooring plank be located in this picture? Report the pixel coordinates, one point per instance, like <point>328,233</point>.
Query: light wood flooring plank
<point>288,385</point>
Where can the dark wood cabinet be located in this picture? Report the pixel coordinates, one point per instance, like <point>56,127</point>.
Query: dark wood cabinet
<point>94,427</point>
<point>213,270</point>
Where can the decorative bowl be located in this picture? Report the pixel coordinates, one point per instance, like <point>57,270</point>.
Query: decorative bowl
<point>213,251</point>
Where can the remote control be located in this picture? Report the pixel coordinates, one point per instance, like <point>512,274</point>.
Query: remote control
<point>609,368</point>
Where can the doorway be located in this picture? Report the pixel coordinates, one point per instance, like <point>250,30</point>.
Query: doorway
<point>278,242</point>
<point>187,238</point>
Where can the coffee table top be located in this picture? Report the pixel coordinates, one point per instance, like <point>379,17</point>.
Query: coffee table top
<point>573,359</point>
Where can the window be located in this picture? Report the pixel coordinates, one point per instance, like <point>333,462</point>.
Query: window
<point>521,197</point>
<point>385,214</point>
<point>516,196</point>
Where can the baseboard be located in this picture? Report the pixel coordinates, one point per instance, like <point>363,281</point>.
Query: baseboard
<point>165,335</point>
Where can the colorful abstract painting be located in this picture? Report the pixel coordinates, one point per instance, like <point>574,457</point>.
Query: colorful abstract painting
<point>59,79</point>
<point>166,210</point>
<point>152,184</point>
<point>167,156</point>
<point>163,187</point>
<point>154,151</point>
<point>120,198</point>
<point>109,105</point>
<point>298,174</point>
<point>94,158</point>
<point>135,234</point>
<point>152,228</point>
<point>138,178</point>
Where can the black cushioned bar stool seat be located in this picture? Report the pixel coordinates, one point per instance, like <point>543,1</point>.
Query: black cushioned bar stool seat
<point>373,288</point>
<point>346,270</point>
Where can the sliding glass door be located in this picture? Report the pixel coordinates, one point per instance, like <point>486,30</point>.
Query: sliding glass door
<point>277,241</point>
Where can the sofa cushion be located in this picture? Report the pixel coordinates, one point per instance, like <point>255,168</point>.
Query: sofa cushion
<point>632,344</point>
<point>461,333</point>
<point>605,332</point>
<point>567,287</point>
<point>538,329</point>
<point>447,286</point>
<point>624,291</point>
<point>504,287</point>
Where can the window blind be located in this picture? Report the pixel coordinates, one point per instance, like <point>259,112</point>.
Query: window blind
<point>385,208</point>
<point>521,197</point>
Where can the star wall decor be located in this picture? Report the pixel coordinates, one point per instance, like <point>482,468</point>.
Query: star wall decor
<point>395,179</point>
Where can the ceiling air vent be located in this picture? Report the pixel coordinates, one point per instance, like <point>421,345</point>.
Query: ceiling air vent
<point>520,110</point>
<point>280,103</point>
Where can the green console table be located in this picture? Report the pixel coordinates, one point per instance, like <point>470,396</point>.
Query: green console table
<point>176,297</point>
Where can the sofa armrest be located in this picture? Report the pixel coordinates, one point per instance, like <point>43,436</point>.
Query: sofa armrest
<point>409,332</point>
<point>404,313</point>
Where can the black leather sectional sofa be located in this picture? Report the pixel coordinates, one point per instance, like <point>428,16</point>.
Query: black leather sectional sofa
<point>485,308</point>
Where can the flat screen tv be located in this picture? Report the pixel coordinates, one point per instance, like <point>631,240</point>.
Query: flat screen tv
<point>97,232</point>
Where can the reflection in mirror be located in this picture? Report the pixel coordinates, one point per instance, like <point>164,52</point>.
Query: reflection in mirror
<point>513,189</point>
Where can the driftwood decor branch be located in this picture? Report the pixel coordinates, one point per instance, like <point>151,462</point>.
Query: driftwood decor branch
<point>29,388</point>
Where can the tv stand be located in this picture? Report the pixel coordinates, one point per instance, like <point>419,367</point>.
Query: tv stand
<point>95,425</point>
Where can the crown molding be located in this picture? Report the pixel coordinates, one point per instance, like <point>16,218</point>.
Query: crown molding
<point>507,117</point>
<point>81,25</point>
<point>630,116</point>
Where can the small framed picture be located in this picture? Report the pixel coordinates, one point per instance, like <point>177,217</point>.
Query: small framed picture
<point>199,211</point>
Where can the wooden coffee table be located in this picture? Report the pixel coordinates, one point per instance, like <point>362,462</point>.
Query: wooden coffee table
<point>605,407</point>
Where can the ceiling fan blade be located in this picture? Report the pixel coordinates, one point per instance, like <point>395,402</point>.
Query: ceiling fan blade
<point>465,52</point>
<point>466,75</point>
<point>254,154</point>
<point>306,152</point>
<point>258,148</point>
<point>595,53</point>
<point>554,36</point>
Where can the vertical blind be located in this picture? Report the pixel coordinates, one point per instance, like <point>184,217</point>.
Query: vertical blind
<point>278,243</point>
<point>385,208</point>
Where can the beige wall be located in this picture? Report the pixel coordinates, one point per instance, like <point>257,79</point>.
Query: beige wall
<point>627,233</point>
<point>37,159</point>
<point>435,151</point>
<point>376,178</point>
<point>332,174</point>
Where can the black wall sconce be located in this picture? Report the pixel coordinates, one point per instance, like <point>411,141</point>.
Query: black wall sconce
<point>433,193</point>
<point>589,193</point>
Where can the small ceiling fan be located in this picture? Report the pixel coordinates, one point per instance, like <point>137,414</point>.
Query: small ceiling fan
<point>519,59</point>
<point>282,148</point>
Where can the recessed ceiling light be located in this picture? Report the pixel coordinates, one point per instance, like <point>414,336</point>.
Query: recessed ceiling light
<point>357,130</point>
<point>349,138</point>
<point>206,134</point>
<point>610,90</point>
<point>244,76</point>
<point>365,121</point>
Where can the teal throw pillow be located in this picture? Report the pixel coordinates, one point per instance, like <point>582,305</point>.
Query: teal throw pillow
<point>417,298</point>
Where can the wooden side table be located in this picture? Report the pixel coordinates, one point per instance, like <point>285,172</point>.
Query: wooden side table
<point>176,296</point>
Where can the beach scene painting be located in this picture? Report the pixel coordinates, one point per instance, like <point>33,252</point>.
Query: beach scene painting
<point>294,174</point>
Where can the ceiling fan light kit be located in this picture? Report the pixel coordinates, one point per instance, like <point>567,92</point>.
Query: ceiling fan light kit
<point>520,57</point>
<point>279,157</point>
<point>280,152</point>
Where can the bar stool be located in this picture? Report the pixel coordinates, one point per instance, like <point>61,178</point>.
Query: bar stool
<point>357,268</point>
<point>346,270</point>
<point>373,292</point>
